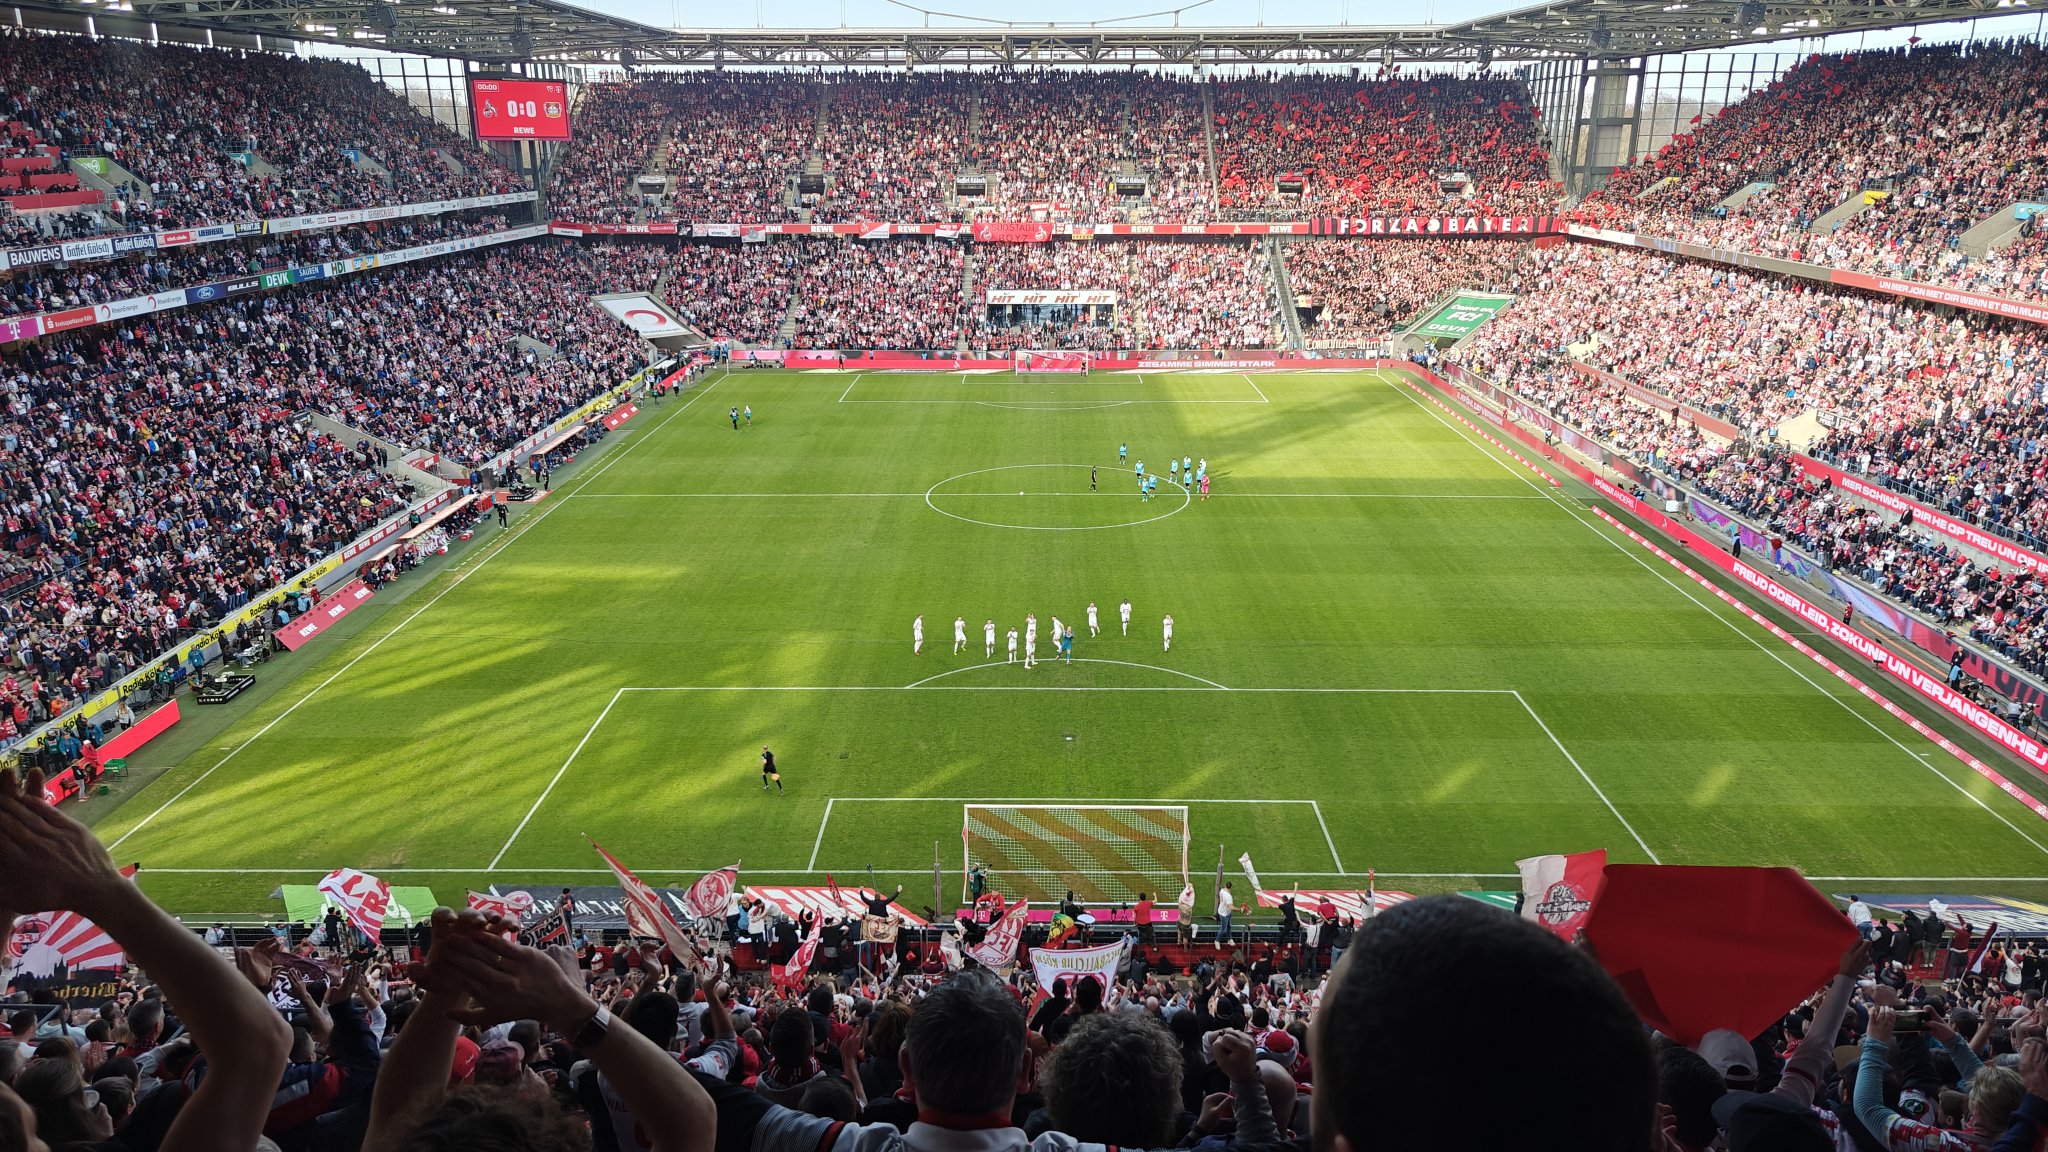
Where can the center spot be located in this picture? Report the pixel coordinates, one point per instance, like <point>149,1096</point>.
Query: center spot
<point>1053,498</point>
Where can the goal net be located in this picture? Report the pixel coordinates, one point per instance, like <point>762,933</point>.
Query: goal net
<point>1045,360</point>
<point>1103,852</point>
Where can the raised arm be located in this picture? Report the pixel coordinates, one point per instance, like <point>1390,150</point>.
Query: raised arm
<point>52,861</point>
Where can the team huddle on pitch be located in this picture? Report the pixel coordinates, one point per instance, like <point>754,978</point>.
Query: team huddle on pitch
<point>1062,635</point>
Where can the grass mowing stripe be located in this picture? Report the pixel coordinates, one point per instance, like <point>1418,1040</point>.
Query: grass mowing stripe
<point>1845,705</point>
<point>497,547</point>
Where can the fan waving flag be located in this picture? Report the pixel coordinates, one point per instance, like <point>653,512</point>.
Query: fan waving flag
<point>42,942</point>
<point>998,949</point>
<point>362,898</point>
<point>1983,949</point>
<point>1558,891</point>
<point>706,898</point>
<point>646,915</point>
<point>791,975</point>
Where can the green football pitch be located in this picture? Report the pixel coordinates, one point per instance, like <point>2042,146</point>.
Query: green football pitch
<point>1394,650</point>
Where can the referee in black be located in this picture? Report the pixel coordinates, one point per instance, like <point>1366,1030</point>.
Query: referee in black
<point>768,771</point>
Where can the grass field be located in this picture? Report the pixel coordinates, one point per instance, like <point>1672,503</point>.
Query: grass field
<point>1374,613</point>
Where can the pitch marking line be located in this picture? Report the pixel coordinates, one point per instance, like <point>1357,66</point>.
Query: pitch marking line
<point>925,685</point>
<point>503,542</point>
<point>1732,625</point>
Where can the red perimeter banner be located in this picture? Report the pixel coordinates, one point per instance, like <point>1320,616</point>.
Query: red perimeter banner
<point>1031,232</point>
<point>519,109</point>
<point>326,614</point>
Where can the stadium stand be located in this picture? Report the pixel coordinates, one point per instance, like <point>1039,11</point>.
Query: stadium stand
<point>1169,295</point>
<point>1941,138</point>
<point>195,129</point>
<point>25,291</point>
<point>1375,147</point>
<point>163,470</point>
<point>1360,292</point>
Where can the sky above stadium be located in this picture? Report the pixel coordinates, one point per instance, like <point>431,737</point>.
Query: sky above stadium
<point>1136,13</point>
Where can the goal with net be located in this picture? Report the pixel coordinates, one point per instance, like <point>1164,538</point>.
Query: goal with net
<point>1049,360</point>
<point>1103,852</point>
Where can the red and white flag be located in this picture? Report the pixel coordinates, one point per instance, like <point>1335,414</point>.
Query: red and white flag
<point>362,898</point>
<point>706,898</point>
<point>646,916</point>
<point>791,975</point>
<point>998,949</point>
<point>42,942</point>
<point>510,906</point>
<point>1558,891</point>
<point>1983,949</point>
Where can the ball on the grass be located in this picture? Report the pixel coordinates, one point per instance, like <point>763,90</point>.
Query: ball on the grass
<point>1020,491</point>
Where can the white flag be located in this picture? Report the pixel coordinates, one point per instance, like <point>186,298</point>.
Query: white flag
<point>1250,873</point>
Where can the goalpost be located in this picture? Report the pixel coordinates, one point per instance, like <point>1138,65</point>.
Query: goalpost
<point>1048,360</point>
<point>1106,853</point>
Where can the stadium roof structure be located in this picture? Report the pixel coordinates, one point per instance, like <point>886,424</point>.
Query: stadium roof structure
<point>515,31</point>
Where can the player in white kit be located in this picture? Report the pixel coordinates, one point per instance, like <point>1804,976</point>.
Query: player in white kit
<point>1169,634</point>
<point>1030,649</point>
<point>1092,629</point>
<point>959,634</point>
<point>1058,630</point>
<point>988,639</point>
<point>1013,646</point>
<point>917,635</point>
<point>1124,609</point>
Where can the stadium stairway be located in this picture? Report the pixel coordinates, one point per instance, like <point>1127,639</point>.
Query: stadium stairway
<point>1857,204</point>
<point>1743,194</point>
<point>966,298</point>
<point>427,483</point>
<point>1283,296</point>
<point>365,162</point>
<point>101,174</point>
<point>1993,232</point>
<point>657,163</point>
<point>1209,136</point>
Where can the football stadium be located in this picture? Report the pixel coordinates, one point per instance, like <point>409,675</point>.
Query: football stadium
<point>899,580</point>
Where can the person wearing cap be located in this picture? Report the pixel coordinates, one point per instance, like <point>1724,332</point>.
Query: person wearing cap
<point>1784,1119</point>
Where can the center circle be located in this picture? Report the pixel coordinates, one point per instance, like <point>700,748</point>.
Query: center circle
<point>1052,498</point>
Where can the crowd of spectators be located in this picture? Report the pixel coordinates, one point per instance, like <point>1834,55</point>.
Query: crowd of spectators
<point>1169,295</point>
<point>734,291</point>
<point>1053,143</point>
<point>181,120</point>
<point>481,1040</point>
<point>902,294</point>
<point>1380,147</point>
<point>2006,610</point>
<point>467,355</point>
<point>736,145</point>
<point>1361,290</point>
<point>97,282</point>
<point>615,129</point>
<point>1932,394</point>
<point>157,475</point>
<point>1947,135</point>
<point>892,147</point>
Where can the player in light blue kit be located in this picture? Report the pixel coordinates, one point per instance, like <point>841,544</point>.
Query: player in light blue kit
<point>1122,450</point>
